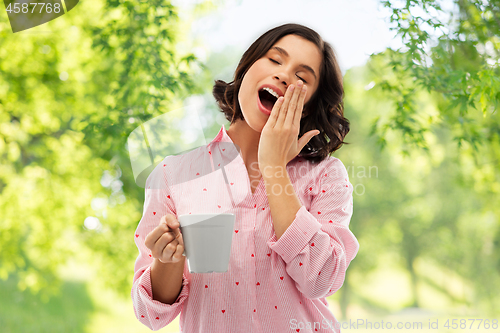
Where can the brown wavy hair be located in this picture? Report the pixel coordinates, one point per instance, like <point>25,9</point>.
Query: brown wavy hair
<point>324,111</point>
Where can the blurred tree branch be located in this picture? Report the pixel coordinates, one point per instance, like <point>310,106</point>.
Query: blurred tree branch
<point>456,61</point>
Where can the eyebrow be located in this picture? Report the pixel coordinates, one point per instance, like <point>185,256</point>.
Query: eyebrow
<point>282,51</point>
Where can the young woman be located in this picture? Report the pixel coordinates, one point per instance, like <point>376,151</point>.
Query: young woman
<point>291,245</point>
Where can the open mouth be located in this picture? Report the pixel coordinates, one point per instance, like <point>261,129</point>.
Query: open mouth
<point>267,100</point>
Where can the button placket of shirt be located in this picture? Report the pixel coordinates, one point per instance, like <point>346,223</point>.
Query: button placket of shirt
<point>251,199</point>
<point>226,168</point>
<point>254,260</point>
<point>253,202</point>
<point>255,316</point>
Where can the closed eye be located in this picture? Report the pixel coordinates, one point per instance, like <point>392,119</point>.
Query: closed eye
<point>280,64</point>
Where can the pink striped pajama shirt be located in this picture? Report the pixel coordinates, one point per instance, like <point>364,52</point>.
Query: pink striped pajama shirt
<point>271,285</point>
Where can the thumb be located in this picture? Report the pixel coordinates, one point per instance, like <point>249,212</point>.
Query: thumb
<point>306,138</point>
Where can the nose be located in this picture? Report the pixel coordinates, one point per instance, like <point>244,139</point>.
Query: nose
<point>280,78</point>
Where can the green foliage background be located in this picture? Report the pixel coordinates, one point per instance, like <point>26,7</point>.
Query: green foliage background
<point>424,158</point>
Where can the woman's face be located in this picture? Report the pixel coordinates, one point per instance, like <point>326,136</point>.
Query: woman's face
<point>292,58</point>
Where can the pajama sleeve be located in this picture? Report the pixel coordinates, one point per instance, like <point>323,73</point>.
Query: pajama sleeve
<point>157,203</point>
<point>318,246</point>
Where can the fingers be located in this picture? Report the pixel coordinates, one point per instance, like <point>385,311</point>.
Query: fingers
<point>171,221</point>
<point>172,252</point>
<point>300,106</point>
<point>167,250</point>
<point>288,96</point>
<point>154,235</point>
<point>177,256</point>
<point>165,241</point>
<point>275,111</point>
<point>295,96</point>
<point>157,232</point>
<point>174,226</point>
<point>294,102</point>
